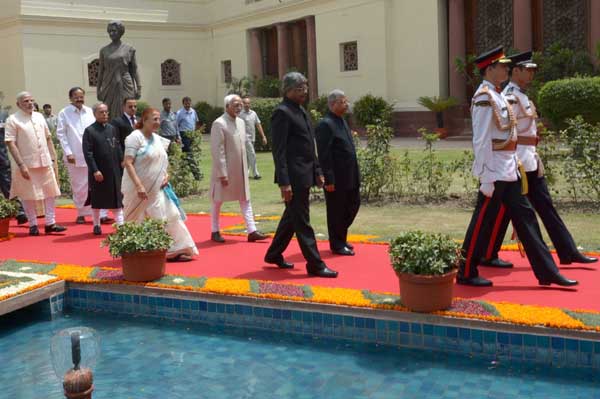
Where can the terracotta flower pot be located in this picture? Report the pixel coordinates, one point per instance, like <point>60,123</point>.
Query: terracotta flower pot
<point>4,227</point>
<point>426,293</point>
<point>442,132</point>
<point>144,266</point>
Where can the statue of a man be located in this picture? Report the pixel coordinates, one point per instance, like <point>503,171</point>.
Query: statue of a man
<point>117,71</point>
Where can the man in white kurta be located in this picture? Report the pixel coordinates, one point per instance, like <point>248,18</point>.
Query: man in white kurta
<point>229,178</point>
<point>72,122</point>
<point>34,168</point>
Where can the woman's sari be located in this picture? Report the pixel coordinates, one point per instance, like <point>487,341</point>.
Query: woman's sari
<point>151,165</point>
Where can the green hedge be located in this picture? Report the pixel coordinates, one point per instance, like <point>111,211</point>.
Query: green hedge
<point>264,107</point>
<point>207,114</point>
<point>562,99</point>
<point>372,110</point>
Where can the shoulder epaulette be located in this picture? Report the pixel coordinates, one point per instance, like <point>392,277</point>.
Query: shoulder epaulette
<point>510,90</point>
<point>484,91</point>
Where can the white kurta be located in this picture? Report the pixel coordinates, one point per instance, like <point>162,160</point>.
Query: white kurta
<point>30,134</point>
<point>228,150</point>
<point>71,123</point>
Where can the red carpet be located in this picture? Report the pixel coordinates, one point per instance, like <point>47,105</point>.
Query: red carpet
<point>369,269</point>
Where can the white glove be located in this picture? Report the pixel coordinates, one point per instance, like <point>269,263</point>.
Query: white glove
<point>540,164</point>
<point>487,189</point>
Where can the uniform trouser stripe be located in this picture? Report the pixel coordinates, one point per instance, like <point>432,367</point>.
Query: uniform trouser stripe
<point>497,225</point>
<point>475,236</point>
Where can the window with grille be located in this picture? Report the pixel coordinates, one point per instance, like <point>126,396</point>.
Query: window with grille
<point>226,71</point>
<point>92,68</point>
<point>349,56</point>
<point>170,73</point>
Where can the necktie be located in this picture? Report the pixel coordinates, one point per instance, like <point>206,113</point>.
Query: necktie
<point>132,120</point>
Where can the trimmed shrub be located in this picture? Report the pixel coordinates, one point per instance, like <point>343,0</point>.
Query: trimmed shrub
<point>180,174</point>
<point>318,108</point>
<point>264,108</point>
<point>207,114</point>
<point>559,62</point>
<point>562,99</point>
<point>372,110</point>
<point>141,107</point>
<point>268,87</point>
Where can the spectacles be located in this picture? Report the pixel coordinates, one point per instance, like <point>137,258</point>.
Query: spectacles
<point>301,89</point>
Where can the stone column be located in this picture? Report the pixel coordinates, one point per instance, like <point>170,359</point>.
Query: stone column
<point>522,25</point>
<point>594,26</point>
<point>256,68</point>
<point>311,51</point>
<point>456,47</point>
<point>283,57</point>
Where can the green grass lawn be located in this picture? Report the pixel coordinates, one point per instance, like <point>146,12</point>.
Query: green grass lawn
<point>385,220</point>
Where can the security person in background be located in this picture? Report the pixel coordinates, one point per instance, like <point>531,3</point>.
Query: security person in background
<point>522,72</point>
<point>496,167</point>
<point>337,157</point>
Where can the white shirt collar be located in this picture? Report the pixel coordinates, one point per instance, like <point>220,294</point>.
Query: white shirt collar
<point>83,109</point>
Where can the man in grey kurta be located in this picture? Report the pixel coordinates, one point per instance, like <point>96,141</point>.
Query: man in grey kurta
<point>229,178</point>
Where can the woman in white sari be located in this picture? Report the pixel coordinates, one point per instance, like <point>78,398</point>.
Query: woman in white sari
<point>146,192</point>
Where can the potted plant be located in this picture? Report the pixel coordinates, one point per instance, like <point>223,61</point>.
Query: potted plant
<point>8,210</point>
<point>142,247</point>
<point>426,265</point>
<point>438,105</point>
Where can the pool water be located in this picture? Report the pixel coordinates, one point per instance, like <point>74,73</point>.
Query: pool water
<point>151,358</point>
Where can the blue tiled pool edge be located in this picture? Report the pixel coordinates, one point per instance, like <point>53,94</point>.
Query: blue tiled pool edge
<point>480,339</point>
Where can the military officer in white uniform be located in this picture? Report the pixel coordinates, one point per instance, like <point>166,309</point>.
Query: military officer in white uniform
<point>522,73</point>
<point>496,167</point>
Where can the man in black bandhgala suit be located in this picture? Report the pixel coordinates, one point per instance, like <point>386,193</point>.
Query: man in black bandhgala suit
<point>296,171</point>
<point>103,156</point>
<point>337,157</point>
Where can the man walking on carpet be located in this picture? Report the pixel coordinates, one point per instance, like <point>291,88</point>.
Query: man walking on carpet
<point>34,177</point>
<point>495,165</point>
<point>296,171</point>
<point>103,156</point>
<point>522,73</point>
<point>229,178</point>
<point>72,121</point>
<point>337,157</point>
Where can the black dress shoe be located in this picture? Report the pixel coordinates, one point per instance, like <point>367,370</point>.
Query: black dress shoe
<point>348,245</point>
<point>80,220</point>
<point>256,236</point>
<point>280,263</point>
<point>559,279</point>
<point>21,219</point>
<point>343,251</point>
<point>216,237</point>
<point>54,228</point>
<point>257,177</point>
<point>324,272</point>
<point>107,220</point>
<point>97,230</point>
<point>499,263</point>
<point>474,281</point>
<point>579,258</point>
<point>34,231</point>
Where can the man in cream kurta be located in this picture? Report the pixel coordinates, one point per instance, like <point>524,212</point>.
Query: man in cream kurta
<point>34,175</point>
<point>72,122</point>
<point>229,178</point>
